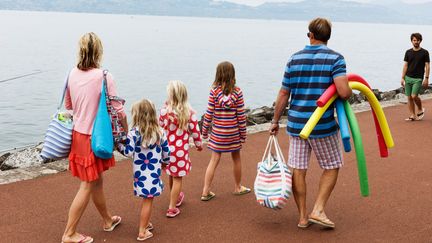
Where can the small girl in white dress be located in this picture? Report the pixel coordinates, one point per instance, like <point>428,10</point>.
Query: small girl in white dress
<point>148,146</point>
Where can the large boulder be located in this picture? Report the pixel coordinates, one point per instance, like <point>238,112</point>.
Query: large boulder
<point>23,158</point>
<point>4,166</point>
<point>377,93</point>
<point>356,99</point>
<point>260,115</point>
<point>400,90</point>
<point>400,96</point>
<point>388,95</point>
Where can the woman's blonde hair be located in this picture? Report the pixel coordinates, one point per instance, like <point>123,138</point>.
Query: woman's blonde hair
<point>178,102</point>
<point>144,117</point>
<point>225,77</point>
<point>90,52</point>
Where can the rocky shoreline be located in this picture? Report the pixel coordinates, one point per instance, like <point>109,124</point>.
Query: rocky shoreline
<point>25,163</point>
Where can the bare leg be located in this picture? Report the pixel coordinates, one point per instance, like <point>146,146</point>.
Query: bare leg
<point>76,210</point>
<point>175,191</point>
<point>99,201</point>
<point>327,183</point>
<point>146,208</point>
<point>209,175</point>
<point>170,182</point>
<point>411,107</point>
<point>299,191</point>
<point>237,169</point>
<point>418,102</point>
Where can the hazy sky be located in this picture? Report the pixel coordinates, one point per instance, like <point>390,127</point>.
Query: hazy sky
<point>257,2</point>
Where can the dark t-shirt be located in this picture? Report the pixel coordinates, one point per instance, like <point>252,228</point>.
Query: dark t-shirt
<point>416,62</point>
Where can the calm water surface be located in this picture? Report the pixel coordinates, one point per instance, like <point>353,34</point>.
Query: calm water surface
<point>145,52</point>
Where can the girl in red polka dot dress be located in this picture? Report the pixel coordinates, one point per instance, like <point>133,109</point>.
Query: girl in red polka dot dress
<point>180,123</point>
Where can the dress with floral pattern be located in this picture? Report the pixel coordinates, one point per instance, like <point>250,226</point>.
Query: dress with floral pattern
<point>147,163</point>
<point>178,140</point>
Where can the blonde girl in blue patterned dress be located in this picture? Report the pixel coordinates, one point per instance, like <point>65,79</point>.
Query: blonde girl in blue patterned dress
<point>147,145</point>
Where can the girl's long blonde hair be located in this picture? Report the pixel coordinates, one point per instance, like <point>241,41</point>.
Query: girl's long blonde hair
<point>90,52</point>
<point>225,77</point>
<point>178,102</point>
<point>144,117</point>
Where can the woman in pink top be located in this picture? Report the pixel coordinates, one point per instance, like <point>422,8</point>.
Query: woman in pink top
<point>82,96</point>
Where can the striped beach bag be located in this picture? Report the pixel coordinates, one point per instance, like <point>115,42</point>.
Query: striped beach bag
<point>273,181</point>
<point>58,137</point>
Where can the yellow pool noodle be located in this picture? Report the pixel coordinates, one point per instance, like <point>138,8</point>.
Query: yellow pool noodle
<point>316,116</point>
<point>378,111</point>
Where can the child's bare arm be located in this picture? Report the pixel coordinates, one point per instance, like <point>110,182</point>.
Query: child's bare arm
<point>195,131</point>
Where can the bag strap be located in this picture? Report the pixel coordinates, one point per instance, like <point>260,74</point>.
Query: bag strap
<point>104,81</point>
<point>107,96</point>
<point>278,149</point>
<point>281,163</point>
<point>267,150</point>
<point>64,92</point>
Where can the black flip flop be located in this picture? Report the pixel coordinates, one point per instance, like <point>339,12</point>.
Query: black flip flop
<point>420,115</point>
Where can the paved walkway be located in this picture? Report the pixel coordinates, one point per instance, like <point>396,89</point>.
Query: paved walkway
<point>398,209</point>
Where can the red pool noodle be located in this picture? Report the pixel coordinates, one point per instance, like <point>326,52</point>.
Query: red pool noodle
<point>382,146</point>
<point>325,97</point>
<point>331,90</point>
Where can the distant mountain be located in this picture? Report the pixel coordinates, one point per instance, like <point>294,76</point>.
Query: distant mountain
<point>377,11</point>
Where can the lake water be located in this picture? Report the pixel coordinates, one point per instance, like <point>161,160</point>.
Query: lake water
<point>145,52</point>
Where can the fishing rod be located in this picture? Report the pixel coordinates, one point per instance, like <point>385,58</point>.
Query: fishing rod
<point>25,75</point>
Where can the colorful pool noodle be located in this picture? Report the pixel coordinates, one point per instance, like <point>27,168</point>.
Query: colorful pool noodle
<point>381,143</point>
<point>343,125</point>
<point>332,90</point>
<point>315,117</point>
<point>358,145</point>
<point>373,101</point>
<point>325,97</point>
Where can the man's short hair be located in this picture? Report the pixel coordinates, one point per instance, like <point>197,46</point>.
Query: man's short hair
<point>321,28</point>
<point>418,36</point>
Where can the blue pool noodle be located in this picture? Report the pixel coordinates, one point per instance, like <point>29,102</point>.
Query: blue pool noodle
<point>343,125</point>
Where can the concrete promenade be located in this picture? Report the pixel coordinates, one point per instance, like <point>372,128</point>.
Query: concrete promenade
<point>399,208</point>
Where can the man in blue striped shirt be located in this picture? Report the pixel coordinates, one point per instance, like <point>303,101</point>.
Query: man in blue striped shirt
<point>308,74</point>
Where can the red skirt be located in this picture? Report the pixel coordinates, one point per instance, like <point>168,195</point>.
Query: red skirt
<point>82,161</point>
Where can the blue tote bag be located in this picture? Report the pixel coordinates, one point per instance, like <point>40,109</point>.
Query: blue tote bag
<point>102,141</point>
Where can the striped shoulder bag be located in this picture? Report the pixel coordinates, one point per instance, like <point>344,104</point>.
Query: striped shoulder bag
<point>273,180</point>
<point>58,137</point>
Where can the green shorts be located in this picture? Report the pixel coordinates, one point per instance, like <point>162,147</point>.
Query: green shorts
<point>412,85</point>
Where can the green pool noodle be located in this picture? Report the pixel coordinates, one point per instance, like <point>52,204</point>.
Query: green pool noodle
<point>359,150</point>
